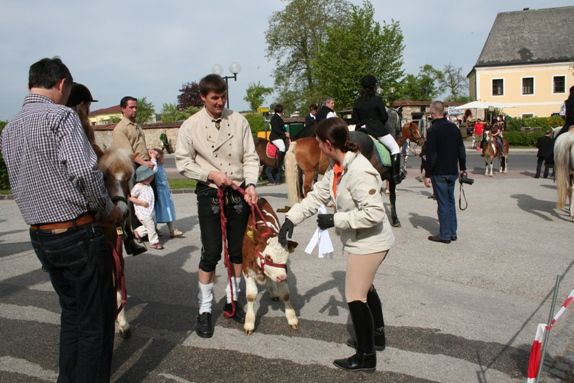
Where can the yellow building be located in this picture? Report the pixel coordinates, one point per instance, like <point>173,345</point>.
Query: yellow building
<point>106,115</point>
<point>527,62</point>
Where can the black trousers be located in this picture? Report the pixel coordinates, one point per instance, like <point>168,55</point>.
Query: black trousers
<point>79,262</point>
<point>237,213</point>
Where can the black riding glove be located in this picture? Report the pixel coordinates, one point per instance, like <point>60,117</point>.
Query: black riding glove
<point>325,221</point>
<point>286,230</point>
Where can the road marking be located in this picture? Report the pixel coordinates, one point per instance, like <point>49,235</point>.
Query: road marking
<point>307,351</point>
<point>174,378</point>
<point>28,313</point>
<point>24,367</point>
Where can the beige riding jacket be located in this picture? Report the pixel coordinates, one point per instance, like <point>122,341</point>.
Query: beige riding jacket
<point>201,148</point>
<point>360,217</point>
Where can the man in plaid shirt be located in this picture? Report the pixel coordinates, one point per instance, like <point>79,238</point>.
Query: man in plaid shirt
<point>56,183</point>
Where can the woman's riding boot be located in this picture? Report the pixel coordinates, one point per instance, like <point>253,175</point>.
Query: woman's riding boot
<point>376,308</point>
<point>365,359</point>
<point>396,168</point>
<point>280,160</point>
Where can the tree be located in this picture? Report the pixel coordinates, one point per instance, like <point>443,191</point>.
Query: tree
<point>171,113</point>
<point>455,83</point>
<point>145,111</point>
<point>426,85</point>
<point>357,47</point>
<point>293,37</point>
<point>255,95</point>
<point>189,96</point>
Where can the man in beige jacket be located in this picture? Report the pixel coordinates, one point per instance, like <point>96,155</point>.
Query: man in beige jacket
<point>215,147</point>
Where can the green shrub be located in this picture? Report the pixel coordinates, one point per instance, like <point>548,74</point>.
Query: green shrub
<point>256,122</point>
<point>4,183</point>
<point>517,123</point>
<point>523,138</point>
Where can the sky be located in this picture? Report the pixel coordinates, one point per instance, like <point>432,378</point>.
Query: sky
<point>149,49</point>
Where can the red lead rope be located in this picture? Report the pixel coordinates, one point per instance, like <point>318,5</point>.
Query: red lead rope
<point>120,277</point>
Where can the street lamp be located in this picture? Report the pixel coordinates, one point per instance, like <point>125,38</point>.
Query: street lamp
<point>233,68</point>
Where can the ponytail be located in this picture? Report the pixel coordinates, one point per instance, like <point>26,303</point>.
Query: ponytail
<point>351,146</point>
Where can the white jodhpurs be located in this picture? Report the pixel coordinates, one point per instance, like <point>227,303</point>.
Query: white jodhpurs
<point>280,144</point>
<point>390,143</point>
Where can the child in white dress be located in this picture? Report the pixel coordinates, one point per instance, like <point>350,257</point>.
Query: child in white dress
<point>143,199</point>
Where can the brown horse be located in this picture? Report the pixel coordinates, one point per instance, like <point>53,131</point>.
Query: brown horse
<point>492,151</point>
<point>269,163</point>
<point>310,161</point>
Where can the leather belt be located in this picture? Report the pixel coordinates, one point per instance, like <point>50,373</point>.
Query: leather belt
<point>84,219</point>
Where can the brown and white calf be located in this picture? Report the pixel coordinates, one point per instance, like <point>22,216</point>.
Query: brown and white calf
<point>265,263</point>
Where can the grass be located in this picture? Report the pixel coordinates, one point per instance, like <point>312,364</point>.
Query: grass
<point>181,183</point>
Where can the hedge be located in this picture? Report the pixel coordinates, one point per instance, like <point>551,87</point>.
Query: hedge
<point>256,122</point>
<point>523,138</point>
<point>518,124</point>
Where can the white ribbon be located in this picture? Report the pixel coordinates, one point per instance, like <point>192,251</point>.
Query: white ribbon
<point>322,238</point>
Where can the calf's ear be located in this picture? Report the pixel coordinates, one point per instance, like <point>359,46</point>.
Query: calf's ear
<point>291,245</point>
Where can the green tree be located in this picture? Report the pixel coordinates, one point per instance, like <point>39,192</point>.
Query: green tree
<point>426,85</point>
<point>170,113</point>
<point>357,47</point>
<point>146,111</point>
<point>455,83</point>
<point>293,37</point>
<point>4,182</point>
<point>255,95</point>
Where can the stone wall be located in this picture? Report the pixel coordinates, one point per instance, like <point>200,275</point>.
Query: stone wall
<point>152,132</point>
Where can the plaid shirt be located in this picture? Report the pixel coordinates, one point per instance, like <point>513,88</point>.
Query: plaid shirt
<point>51,165</point>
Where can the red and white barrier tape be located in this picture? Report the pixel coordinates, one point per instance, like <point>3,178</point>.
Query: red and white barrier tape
<point>536,348</point>
<point>562,309</point>
<point>535,353</point>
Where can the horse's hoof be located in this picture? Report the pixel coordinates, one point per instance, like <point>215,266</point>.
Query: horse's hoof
<point>396,224</point>
<point>294,326</point>
<point>248,332</point>
<point>125,334</point>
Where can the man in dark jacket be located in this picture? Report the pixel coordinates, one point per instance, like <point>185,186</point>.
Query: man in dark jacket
<point>327,110</point>
<point>445,154</point>
<point>545,153</point>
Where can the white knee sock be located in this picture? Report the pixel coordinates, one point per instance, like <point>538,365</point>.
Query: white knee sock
<point>205,297</point>
<point>390,143</point>
<point>235,282</point>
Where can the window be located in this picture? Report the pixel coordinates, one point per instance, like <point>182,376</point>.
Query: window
<point>559,84</point>
<point>528,85</point>
<point>498,87</point>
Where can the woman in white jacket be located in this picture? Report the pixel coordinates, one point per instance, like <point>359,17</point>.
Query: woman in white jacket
<point>355,187</point>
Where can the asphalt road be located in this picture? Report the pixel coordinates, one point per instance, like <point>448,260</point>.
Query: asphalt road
<point>463,312</point>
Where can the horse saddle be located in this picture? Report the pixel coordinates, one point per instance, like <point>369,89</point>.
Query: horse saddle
<point>383,152</point>
<point>271,150</point>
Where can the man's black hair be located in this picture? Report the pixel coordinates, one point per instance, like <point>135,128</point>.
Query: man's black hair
<point>47,72</point>
<point>124,101</point>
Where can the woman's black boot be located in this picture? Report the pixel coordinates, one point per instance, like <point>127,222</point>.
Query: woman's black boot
<point>376,308</point>
<point>396,168</point>
<point>365,359</point>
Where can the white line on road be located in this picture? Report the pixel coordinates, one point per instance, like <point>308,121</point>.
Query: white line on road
<point>24,367</point>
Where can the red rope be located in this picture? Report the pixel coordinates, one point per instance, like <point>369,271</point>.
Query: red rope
<point>120,276</point>
<point>226,260</point>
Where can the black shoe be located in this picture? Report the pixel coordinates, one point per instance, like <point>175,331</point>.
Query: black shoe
<point>239,315</point>
<point>133,248</point>
<point>436,238</point>
<point>204,327</point>
<point>358,362</point>
<point>453,238</point>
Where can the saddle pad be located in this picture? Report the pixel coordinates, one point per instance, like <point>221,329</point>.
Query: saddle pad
<point>271,150</point>
<point>384,154</point>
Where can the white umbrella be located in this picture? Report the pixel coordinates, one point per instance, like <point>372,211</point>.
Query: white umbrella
<point>484,105</point>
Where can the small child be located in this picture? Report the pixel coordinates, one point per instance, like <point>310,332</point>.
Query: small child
<point>164,207</point>
<point>143,199</point>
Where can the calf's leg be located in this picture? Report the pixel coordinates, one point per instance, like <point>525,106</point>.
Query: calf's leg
<point>251,294</point>
<point>282,290</point>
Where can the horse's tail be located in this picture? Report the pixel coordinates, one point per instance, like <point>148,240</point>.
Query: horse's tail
<point>562,166</point>
<point>291,174</point>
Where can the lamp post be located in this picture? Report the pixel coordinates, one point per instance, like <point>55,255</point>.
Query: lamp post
<point>234,68</point>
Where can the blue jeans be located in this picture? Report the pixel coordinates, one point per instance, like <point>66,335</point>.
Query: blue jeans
<point>443,187</point>
<point>79,262</point>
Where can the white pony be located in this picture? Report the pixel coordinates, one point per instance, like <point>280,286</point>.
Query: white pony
<point>564,169</point>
